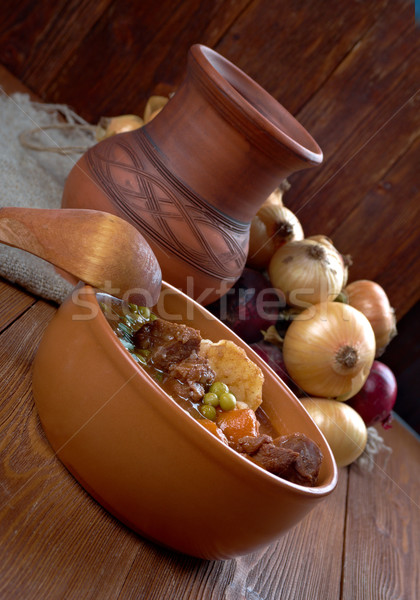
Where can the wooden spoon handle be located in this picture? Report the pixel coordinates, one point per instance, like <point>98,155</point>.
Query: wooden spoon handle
<point>96,247</point>
<point>17,230</point>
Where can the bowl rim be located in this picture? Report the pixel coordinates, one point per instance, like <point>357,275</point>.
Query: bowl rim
<point>137,376</point>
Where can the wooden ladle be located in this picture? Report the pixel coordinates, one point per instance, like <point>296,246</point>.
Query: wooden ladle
<point>93,246</point>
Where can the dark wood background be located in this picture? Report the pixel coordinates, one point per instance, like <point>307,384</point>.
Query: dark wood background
<point>348,70</point>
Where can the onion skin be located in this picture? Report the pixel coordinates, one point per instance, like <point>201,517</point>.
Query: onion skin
<point>271,228</point>
<point>371,299</point>
<point>329,349</point>
<point>375,401</point>
<point>154,105</point>
<point>307,271</point>
<point>109,126</point>
<point>276,197</point>
<point>342,426</point>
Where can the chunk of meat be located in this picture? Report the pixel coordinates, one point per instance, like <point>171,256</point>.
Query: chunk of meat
<point>180,390</point>
<point>250,444</point>
<point>173,350</point>
<point>168,342</point>
<point>195,368</point>
<point>294,457</point>
<point>306,467</point>
<point>277,460</point>
<point>189,378</point>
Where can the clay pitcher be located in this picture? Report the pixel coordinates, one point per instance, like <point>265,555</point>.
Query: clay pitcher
<point>192,179</point>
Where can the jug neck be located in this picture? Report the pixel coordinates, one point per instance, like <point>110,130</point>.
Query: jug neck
<point>226,138</point>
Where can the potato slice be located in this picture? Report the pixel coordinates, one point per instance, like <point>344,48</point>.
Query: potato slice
<point>232,366</point>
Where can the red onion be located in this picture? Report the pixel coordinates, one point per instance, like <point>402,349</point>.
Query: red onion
<point>377,397</point>
<point>249,307</point>
<point>273,356</point>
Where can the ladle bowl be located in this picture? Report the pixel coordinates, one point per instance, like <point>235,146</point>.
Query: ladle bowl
<point>98,248</point>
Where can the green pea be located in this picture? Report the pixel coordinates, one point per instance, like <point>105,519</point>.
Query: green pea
<point>211,399</point>
<point>227,401</point>
<point>142,355</point>
<point>144,352</point>
<point>128,321</point>
<point>140,358</point>
<point>218,388</point>
<point>138,324</point>
<point>144,311</point>
<point>209,412</point>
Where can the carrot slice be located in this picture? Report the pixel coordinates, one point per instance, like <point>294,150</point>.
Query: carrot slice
<point>212,427</point>
<point>237,424</point>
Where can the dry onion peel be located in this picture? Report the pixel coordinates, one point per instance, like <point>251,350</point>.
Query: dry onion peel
<point>308,271</point>
<point>329,349</point>
<point>109,126</point>
<point>272,336</point>
<point>276,197</point>
<point>153,107</point>
<point>371,299</point>
<point>347,259</point>
<point>271,228</point>
<point>375,445</point>
<point>342,427</point>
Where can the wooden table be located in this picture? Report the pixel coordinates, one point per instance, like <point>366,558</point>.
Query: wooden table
<point>58,543</point>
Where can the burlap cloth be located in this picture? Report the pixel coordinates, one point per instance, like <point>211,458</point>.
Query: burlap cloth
<point>34,179</point>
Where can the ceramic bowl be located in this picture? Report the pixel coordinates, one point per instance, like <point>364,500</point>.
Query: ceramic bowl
<point>148,462</point>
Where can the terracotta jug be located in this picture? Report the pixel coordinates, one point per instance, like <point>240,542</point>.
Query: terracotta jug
<point>192,179</point>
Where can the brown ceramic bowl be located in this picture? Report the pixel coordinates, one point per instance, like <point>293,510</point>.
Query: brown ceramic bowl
<point>144,458</point>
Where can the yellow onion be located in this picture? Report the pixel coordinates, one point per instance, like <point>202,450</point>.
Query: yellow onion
<point>342,426</point>
<point>347,260</point>
<point>307,271</point>
<point>153,107</point>
<point>371,299</point>
<point>328,350</point>
<point>272,226</point>
<point>276,197</point>
<point>108,126</point>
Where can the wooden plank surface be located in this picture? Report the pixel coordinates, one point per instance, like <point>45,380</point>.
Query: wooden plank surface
<point>55,538</point>
<point>390,264</point>
<point>13,303</point>
<point>292,48</point>
<point>292,568</point>
<point>128,43</point>
<point>383,524</point>
<point>57,27</point>
<point>11,84</point>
